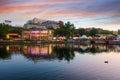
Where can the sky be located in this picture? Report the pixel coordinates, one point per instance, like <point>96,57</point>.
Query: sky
<point>82,13</point>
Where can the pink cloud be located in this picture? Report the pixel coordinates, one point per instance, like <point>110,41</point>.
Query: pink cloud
<point>19,7</point>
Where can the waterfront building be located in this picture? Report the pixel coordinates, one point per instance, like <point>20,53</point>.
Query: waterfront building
<point>13,36</point>
<point>37,34</point>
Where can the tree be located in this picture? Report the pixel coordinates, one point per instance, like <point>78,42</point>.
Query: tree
<point>66,30</point>
<point>118,31</point>
<point>65,53</point>
<point>93,32</point>
<point>17,30</point>
<point>4,30</point>
<point>82,31</point>
<point>105,32</point>
<point>69,29</point>
<point>4,54</point>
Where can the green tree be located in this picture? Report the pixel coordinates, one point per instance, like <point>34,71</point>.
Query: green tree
<point>119,31</point>
<point>105,32</point>
<point>64,53</point>
<point>4,30</point>
<point>69,29</point>
<point>82,31</point>
<point>17,30</point>
<point>4,54</point>
<point>93,32</point>
<point>66,30</point>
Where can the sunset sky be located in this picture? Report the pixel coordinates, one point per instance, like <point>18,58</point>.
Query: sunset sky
<point>83,13</point>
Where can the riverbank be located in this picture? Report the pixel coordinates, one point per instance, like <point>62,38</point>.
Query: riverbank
<point>87,42</point>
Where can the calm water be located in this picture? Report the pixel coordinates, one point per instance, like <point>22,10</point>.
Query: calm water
<point>59,62</point>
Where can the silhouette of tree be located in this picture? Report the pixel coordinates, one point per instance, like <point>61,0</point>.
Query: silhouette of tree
<point>4,54</point>
<point>4,30</point>
<point>65,30</point>
<point>64,53</point>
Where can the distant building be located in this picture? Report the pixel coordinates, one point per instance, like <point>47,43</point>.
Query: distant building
<point>118,31</point>
<point>89,29</point>
<point>51,24</point>
<point>61,23</point>
<point>115,32</point>
<point>44,24</point>
<point>32,26</point>
<point>8,22</point>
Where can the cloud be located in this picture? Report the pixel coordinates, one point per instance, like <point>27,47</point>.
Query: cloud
<point>8,6</point>
<point>81,9</point>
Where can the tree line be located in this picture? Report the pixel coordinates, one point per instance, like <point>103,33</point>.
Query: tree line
<point>5,29</point>
<point>66,29</point>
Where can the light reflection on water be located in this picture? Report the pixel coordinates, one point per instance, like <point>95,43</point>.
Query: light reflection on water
<point>59,62</point>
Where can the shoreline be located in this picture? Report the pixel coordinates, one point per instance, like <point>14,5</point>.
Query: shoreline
<point>86,42</point>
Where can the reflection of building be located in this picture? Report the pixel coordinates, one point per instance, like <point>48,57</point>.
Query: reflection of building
<point>54,51</point>
<point>37,50</point>
<point>38,34</point>
<point>13,48</point>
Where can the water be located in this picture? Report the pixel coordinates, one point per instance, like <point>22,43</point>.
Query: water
<point>59,62</point>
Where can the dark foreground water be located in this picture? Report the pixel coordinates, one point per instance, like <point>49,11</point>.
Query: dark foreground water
<point>59,62</point>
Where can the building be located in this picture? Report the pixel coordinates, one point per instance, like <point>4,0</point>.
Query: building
<point>44,24</point>
<point>13,36</point>
<point>115,32</point>
<point>51,24</point>
<point>37,34</point>
<point>119,31</point>
<point>38,29</point>
<point>31,26</point>
<point>8,22</point>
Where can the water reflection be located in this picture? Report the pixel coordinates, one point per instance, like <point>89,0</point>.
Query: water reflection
<point>64,52</point>
<point>54,51</point>
<point>4,53</point>
<point>38,52</point>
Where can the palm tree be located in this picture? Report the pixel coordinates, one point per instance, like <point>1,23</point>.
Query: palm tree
<point>69,29</point>
<point>66,30</point>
